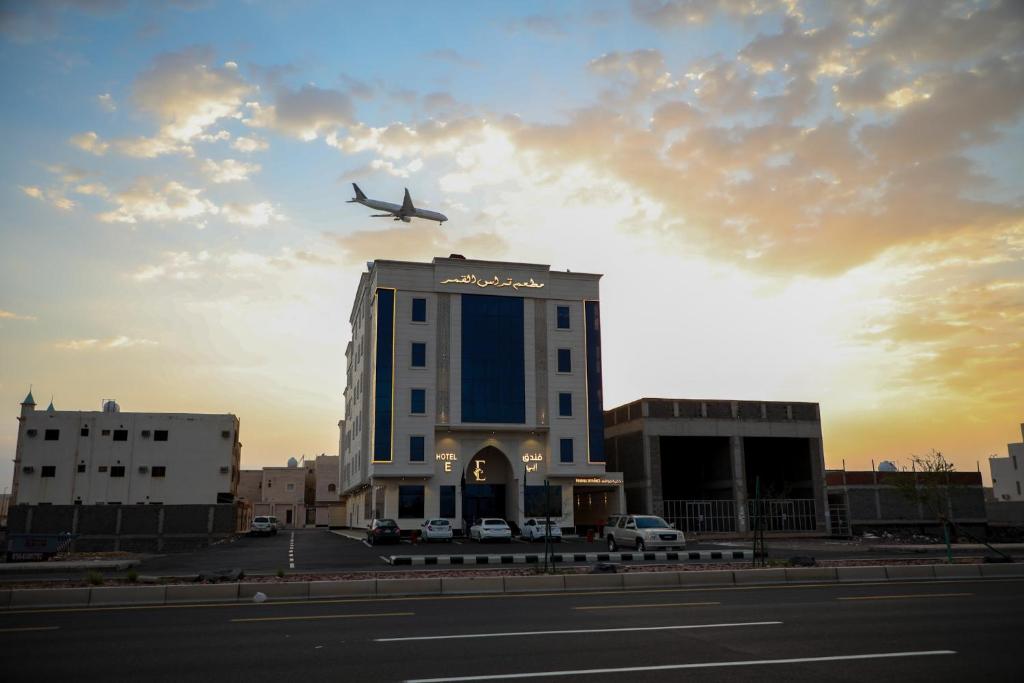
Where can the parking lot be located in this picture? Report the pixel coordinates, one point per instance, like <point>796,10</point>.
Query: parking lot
<point>319,550</point>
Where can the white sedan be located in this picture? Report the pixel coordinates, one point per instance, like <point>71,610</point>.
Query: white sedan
<point>436,530</point>
<point>490,529</point>
<point>533,530</point>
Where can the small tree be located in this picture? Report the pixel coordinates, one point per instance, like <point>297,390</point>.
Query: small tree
<point>930,486</point>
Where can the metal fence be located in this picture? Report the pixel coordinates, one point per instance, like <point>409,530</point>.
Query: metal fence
<point>701,516</point>
<point>796,514</point>
<point>839,519</point>
<point>716,516</point>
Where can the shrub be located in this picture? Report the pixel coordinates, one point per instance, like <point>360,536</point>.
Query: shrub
<point>94,578</point>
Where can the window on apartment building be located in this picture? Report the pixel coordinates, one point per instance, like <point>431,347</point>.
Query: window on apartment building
<point>564,360</point>
<point>81,467</point>
<point>120,435</point>
<point>565,404</point>
<point>565,450</point>
<point>410,501</point>
<point>415,449</point>
<point>160,435</point>
<point>85,431</point>
<point>48,471</point>
<point>1015,462</point>
<point>32,432</point>
<point>51,435</point>
<point>419,310</point>
<point>117,470</point>
<point>158,471</point>
<point>105,432</point>
<point>331,488</point>
<point>562,314</point>
<point>101,468</point>
<point>290,487</point>
<point>418,401</point>
<point>419,355</point>
<point>447,508</point>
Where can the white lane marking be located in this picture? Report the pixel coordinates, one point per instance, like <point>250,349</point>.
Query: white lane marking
<point>291,551</point>
<point>670,667</point>
<point>579,630</point>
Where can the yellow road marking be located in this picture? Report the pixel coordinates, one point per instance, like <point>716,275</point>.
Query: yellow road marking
<point>903,597</point>
<point>658,604</point>
<point>28,628</point>
<point>498,596</point>
<point>328,616</point>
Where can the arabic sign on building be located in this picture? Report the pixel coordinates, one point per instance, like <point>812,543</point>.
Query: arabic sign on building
<point>496,282</point>
<point>532,461</point>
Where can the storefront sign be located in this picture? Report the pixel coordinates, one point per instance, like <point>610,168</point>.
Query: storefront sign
<point>447,459</point>
<point>532,461</point>
<point>478,471</point>
<point>470,279</point>
<point>597,480</point>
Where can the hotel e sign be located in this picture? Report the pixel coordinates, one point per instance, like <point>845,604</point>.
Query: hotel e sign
<point>471,279</point>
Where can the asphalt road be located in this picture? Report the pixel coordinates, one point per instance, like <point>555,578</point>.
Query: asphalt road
<point>915,631</point>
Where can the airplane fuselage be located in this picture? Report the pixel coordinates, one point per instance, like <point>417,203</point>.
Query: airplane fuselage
<point>396,209</point>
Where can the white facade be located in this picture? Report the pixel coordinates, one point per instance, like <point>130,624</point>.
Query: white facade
<point>1008,473</point>
<point>68,457</point>
<point>380,458</point>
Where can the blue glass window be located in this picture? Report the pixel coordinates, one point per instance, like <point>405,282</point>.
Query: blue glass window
<point>565,405</point>
<point>419,310</point>
<point>565,450</point>
<point>410,502</point>
<point>415,449</point>
<point>562,313</point>
<point>564,360</point>
<point>535,501</point>
<point>384,375</point>
<point>419,355</point>
<point>418,401</point>
<point>493,363</point>
<point>595,396</point>
<point>447,502</point>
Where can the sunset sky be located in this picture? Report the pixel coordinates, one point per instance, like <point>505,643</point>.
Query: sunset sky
<point>788,200</point>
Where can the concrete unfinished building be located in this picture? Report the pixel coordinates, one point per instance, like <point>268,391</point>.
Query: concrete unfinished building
<point>697,463</point>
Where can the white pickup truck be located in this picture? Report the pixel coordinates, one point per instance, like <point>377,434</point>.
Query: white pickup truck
<point>642,532</point>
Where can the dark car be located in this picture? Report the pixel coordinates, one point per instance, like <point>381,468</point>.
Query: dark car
<point>383,531</point>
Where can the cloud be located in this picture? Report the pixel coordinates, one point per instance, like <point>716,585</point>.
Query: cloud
<point>674,13</point>
<point>187,94</point>
<point>177,265</point>
<point>251,215</point>
<point>118,342</point>
<point>306,113</point>
<point>228,170</point>
<point>8,315</point>
<point>148,201</point>
<point>106,102</point>
<point>51,196</point>
<point>642,70</point>
<point>250,144</point>
<point>89,142</point>
<point>439,102</point>
<point>186,266</point>
<point>538,24</point>
<point>416,243</point>
<point>452,57</point>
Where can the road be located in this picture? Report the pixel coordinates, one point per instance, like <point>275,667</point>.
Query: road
<point>914,631</point>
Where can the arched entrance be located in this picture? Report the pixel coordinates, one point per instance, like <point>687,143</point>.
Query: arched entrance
<point>487,489</point>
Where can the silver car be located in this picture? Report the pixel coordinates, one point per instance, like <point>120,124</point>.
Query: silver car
<point>490,529</point>
<point>642,532</point>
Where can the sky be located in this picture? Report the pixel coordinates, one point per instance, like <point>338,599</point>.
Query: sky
<point>789,201</point>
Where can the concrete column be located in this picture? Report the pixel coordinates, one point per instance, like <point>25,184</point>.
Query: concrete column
<point>117,529</point>
<point>654,488</point>
<point>821,513</point>
<point>160,529</point>
<point>739,482</point>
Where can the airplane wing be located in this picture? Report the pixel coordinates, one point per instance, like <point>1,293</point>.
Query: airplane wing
<point>407,208</point>
<point>382,215</point>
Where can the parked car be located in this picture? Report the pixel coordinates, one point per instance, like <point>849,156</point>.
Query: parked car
<point>436,530</point>
<point>383,531</point>
<point>533,530</point>
<point>490,529</point>
<point>262,526</point>
<point>642,532</point>
<point>277,525</point>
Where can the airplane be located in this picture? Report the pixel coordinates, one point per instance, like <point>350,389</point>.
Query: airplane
<point>405,212</point>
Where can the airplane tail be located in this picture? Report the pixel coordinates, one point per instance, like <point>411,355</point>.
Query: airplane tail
<point>359,193</point>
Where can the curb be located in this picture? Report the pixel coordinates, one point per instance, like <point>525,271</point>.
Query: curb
<point>537,558</point>
<point>115,596</point>
<point>15,568</point>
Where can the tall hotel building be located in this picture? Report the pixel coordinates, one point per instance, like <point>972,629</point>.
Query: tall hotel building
<point>470,383</point>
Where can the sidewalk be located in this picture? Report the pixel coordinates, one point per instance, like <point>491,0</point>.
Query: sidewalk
<point>924,547</point>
